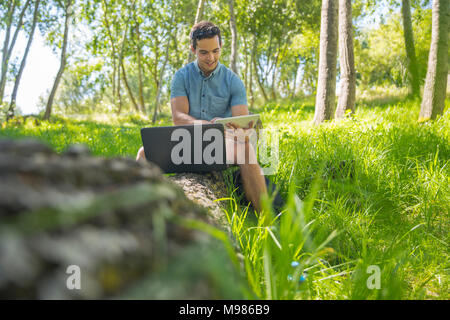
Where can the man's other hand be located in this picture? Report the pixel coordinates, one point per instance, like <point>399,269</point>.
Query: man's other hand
<point>213,120</point>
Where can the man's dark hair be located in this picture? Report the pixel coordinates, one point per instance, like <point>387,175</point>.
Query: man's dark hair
<point>202,30</point>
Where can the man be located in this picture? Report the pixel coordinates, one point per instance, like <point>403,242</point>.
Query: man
<point>204,91</point>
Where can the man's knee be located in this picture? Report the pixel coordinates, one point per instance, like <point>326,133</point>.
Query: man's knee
<point>140,154</point>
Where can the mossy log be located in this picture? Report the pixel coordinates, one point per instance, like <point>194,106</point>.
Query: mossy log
<point>123,223</point>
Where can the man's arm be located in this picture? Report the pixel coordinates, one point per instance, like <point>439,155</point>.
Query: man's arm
<point>180,112</point>
<point>239,110</point>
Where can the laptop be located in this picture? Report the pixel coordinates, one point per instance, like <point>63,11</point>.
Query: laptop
<point>186,148</point>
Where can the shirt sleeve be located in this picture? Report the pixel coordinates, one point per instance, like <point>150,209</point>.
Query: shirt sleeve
<point>238,93</point>
<point>177,88</point>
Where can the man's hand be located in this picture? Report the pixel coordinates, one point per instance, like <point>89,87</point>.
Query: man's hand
<point>213,120</point>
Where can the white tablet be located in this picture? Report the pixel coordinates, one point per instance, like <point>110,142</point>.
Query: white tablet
<point>241,121</point>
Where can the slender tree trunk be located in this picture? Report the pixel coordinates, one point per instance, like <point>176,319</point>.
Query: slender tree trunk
<point>12,105</point>
<point>294,87</point>
<point>255,68</point>
<point>68,13</point>
<point>10,47</point>
<point>124,74</point>
<point>347,60</point>
<point>250,83</point>
<point>198,18</point>
<point>433,100</point>
<point>274,77</point>
<point>234,51</point>
<point>159,85</point>
<point>245,64</point>
<point>127,86</point>
<point>326,87</point>
<point>116,68</point>
<point>11,8</point>
<point>141,86</point>
<point>413,71</point>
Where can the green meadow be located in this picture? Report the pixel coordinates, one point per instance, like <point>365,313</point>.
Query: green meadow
<point>366,195</point>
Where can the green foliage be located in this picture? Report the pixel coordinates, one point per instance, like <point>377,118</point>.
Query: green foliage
<point>380,54</point>
<point>368,190</point>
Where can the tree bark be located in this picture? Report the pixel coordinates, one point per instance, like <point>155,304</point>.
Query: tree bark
<point>250,82</point>
<point>233,29</point>
<point>68,13</point>
<point>130,229</point>
<point>347,60</point>
<point>139,56</point>
<point>124,74</point>
<point>159,84</point>
<point>326,87</point>
<point>198,18</point>
<point>433,100</point>
<point>413,72</point>
<point>255,67</point>
<point>12,104</point>
<point>117,98</point>
<point>245,65</point>
<point>5,50</point>
<point>125,80</point>
<point>294,86</point>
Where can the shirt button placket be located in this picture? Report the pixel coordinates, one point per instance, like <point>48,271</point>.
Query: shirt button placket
<point>202,99</point>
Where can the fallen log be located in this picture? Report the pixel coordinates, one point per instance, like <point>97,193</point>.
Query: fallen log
<point>120,225</point>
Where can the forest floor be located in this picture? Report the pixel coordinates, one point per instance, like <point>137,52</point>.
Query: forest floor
<point>367,214</point>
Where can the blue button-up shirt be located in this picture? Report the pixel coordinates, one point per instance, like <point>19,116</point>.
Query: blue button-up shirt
<point>211,96</point>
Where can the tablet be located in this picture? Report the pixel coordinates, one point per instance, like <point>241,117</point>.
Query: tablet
<point>241,121</point>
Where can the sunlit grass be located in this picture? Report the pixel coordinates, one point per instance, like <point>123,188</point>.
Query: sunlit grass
<point>368,190</point>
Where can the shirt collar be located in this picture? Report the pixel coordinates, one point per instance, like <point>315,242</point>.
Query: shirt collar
<point>216,70</point>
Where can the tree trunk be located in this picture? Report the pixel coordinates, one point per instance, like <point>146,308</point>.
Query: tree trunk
<point>245,65</point>
<point>124,75</point>
<point>68,13</point>
<point>11,8</point>
<point>294,86</point>
<point>255,68</point>
<point>326,87</point>
<point>347,60</point>
<point>250,83</point>
<point>141,86</point>
<point>433,100</point>
<point>12,105</point>
<point>198,18</point>
<point>413,72</point>
<point>10,47</point>
<point>159,83</point>
<point>274,77</point>
<point>136,232</point>
<point>130,93</point>
<point>234,51</point>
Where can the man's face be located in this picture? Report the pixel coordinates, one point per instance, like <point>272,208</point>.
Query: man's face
<point>208,54</point>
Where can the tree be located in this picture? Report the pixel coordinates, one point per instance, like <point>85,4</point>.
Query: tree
<point>347,60</point>
<point>67,7</point>
<point>12,104</point>
<point>198,18</point>
<point>433,100</point>
<point>7,45</point>
<point>326,87</point>
<point>233,29</point>
<point>413,72</point>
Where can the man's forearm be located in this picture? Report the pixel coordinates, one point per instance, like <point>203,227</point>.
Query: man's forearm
<point>185,119</point>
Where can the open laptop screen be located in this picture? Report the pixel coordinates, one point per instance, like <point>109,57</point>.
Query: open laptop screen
<point>186,148</point>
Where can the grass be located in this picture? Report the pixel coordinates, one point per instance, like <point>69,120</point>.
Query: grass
<point>372,190</point>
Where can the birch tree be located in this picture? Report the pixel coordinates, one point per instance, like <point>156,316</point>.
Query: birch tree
<point>347,60</point>
<point>326,87</point>
<point>68,11</point>
<point>413,71</point>
<point>433,100</point>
